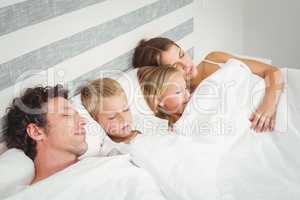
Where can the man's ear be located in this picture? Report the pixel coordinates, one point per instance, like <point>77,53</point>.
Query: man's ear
<point>35,132</point>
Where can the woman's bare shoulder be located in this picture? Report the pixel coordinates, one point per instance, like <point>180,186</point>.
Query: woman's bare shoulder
<point>209,65</point>
<point>204,71</point>
<point>218,56</point>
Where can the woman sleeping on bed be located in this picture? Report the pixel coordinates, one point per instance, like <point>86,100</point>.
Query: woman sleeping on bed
<point>165,52</point>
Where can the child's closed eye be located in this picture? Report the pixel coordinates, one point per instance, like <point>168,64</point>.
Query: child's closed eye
<point>112,117</point>
<point>126,110</point>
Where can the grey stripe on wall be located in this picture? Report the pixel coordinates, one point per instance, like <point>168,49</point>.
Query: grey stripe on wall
<point>31,12</point>
<point>180,31</point>
<point>50,55</point>
<point>123,62</point>
<point>119,63</point>
<point>106,70</point>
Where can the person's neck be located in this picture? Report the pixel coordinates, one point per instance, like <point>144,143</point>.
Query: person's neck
<point>49,162</point>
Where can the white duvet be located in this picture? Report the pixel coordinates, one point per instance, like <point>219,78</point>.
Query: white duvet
<point>111,178</point>
<point>222,158</point>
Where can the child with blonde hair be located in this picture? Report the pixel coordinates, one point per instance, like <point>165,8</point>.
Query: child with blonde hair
<point>107,103</point>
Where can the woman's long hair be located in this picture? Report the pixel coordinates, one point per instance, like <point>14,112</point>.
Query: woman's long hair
<point>153,82</point>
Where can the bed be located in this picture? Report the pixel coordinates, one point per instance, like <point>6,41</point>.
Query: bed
<point>73,44</point>
<point>215,155</point>
<point>70,42</point>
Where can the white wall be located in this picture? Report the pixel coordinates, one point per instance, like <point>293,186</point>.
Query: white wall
<point>218,26</point>
<point>267,29</point>
<point>272,30</point>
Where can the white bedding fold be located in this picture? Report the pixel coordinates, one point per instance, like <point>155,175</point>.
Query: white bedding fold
<point>112,178</point>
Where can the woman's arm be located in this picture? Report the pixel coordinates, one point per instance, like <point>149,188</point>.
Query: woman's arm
<point>263,119</point>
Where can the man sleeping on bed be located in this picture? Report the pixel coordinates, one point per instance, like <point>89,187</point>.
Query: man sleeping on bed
<point>44,124</point>
<point>47,128</point>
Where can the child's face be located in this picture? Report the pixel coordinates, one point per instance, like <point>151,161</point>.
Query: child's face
<point>176,96</point>
<point>115,116</point>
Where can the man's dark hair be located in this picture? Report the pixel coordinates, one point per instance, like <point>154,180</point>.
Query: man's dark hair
<point>25,110</point>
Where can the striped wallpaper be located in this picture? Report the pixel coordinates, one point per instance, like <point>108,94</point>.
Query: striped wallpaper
<point>71,41</point>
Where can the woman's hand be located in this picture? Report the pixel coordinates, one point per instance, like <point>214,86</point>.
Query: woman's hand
<point>263,119</point>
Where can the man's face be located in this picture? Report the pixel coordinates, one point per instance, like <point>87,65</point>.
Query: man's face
<point>64,131</point>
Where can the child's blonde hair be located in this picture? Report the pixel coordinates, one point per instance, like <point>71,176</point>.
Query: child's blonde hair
<point>153,82</point>
<point>93,93</point>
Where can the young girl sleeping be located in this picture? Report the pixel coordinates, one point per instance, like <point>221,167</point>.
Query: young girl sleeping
<point>160,52</point>
<point>167,95</point>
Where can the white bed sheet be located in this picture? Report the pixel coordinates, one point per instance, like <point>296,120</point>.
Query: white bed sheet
<point>240,164</point>
<point>111,178</point>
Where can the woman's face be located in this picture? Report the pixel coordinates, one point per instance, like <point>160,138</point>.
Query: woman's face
<point>115,116</point>
<point>177,57</point>
<point>175,95</point>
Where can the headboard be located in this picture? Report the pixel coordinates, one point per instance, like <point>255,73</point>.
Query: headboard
<point>67,42</point>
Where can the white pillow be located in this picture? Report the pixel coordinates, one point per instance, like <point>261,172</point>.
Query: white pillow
<point>144,119</point>
<point>99,144</point>
<point>16,172</point>
<point>3,147</point>
<point>136,100</point>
